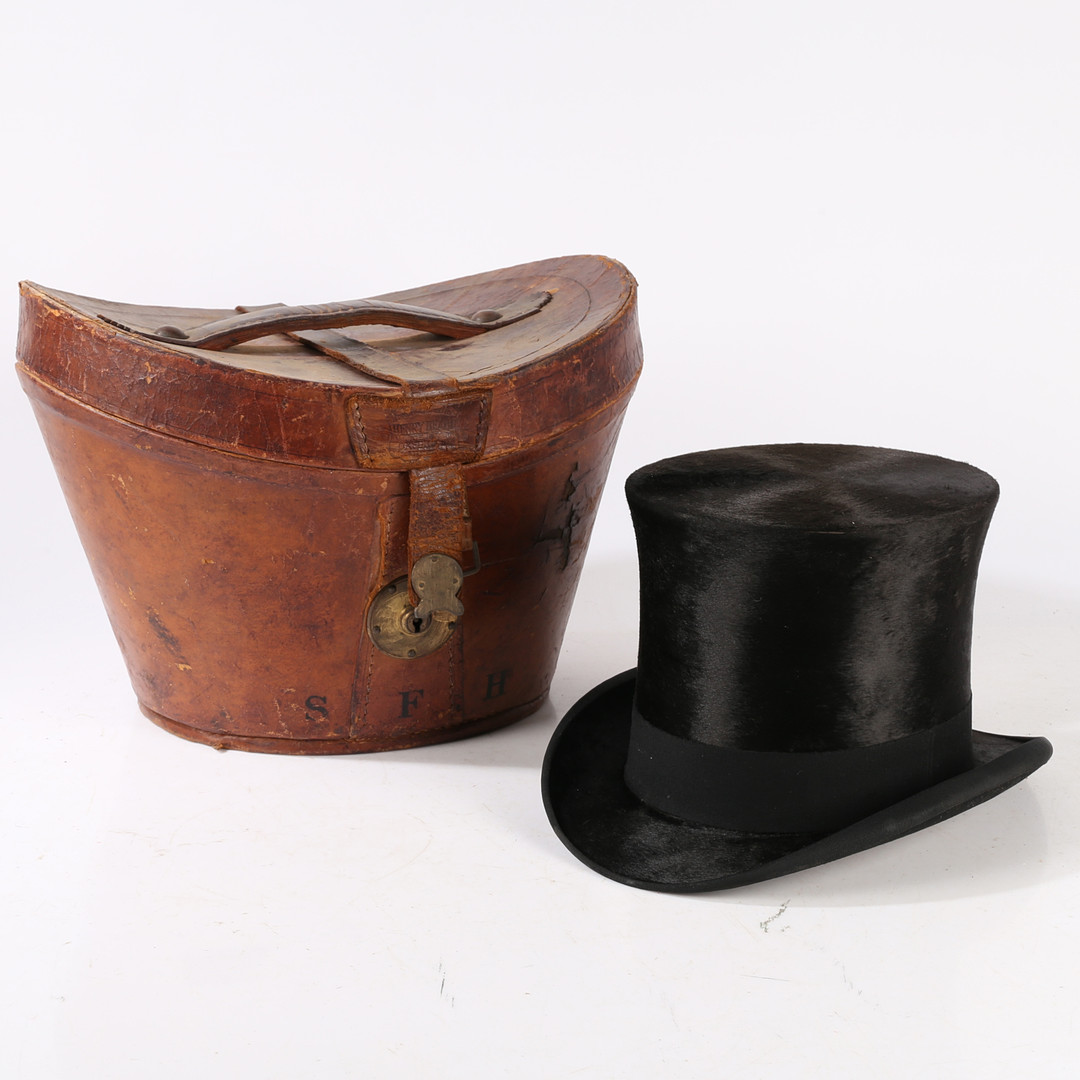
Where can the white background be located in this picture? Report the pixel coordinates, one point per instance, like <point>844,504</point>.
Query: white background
<point>851,222</point>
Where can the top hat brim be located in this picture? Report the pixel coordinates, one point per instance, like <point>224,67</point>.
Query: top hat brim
<point>609,829</point>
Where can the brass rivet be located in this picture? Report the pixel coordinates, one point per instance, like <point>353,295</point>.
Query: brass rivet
<point>487,315</point>
<point>171,331</point>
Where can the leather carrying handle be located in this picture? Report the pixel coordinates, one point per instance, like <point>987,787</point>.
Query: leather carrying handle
<point>279,319</point>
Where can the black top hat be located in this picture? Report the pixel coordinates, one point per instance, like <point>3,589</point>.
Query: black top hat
<point>803,681</point>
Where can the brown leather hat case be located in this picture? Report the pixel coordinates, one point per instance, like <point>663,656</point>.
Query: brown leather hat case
<point>345,527</point>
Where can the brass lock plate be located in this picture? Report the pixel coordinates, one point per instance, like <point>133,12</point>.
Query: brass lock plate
<point>406,631</point>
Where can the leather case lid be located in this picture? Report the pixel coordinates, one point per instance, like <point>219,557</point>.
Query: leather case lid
<point>355,396</point>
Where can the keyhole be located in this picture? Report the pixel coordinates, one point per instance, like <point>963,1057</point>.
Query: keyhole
<point>413,624</point>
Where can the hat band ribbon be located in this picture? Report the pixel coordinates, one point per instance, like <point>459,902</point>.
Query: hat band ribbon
<point>762,791</point>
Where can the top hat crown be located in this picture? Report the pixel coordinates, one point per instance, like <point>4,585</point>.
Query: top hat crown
<point>803,680</point>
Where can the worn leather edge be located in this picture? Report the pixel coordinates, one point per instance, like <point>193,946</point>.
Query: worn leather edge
<point>261,744</point>
<point>512,459</point>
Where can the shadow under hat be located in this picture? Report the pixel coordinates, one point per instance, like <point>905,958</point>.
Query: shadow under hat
<point>803,682</point>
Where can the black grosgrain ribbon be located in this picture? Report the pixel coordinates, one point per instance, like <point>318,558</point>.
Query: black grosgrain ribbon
<point>789,792</point>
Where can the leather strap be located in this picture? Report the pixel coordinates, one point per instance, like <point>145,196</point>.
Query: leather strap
<point>439,521</point>
<point>278,318</point>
